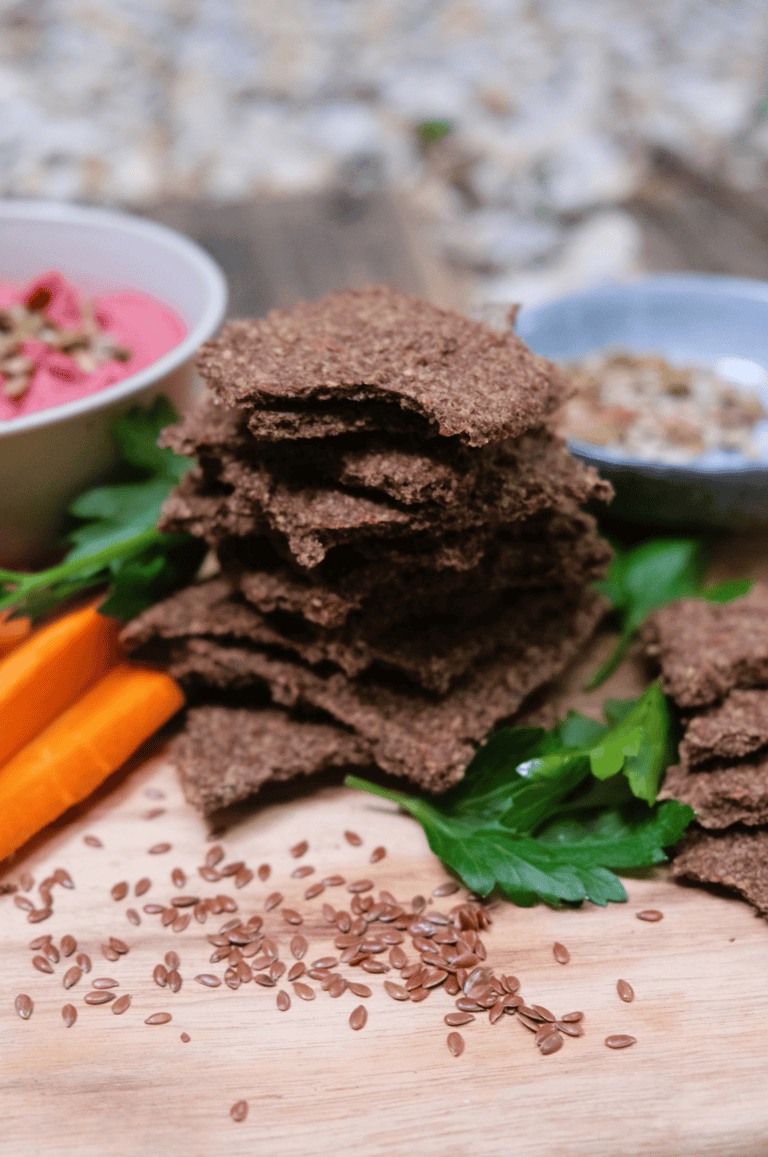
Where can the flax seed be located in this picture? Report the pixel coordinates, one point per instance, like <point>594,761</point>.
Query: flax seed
<point>239,1111</point>
<point>625,990</point>
<point>168,916</point>
<point>172,959</point>
<point>51,952</point>
<point>99,997</point>
<point>209,874</point>
<point>419,994</point>
<point>214,856</point>
<point>276,969</point>
<point>651,915</point>
<point>185,1037</point>
<point>121,1004</point>
<point>302,871</point>
<point>160,975</point>
<point>396,991</point>
<point>569,1029</point>
<point>620,1041</point>
<point>105,982</point>
<point>24,1005</point>
<point>300,849</point>
<point>325,962</point>
<point>303,991</point>
<point>334,881</point>
<point>178,878</point>
<point>560,953</point>
<point>343,921</point>
<point>449,888</point>
<point>397,958</point>
<point>243,877</point>
<point>283,1001</point>
<point>37,915</point>
<point>360,886</point>
<point>71,976</point>
<point>358,1016</point>
<point>264,980</point>
<point>68,945</point>
<point>185,901</point>
<point>133,916</point>
<point>158,1018</point>
<point>200,912</point>
<point>551,1043</point>
<point>263,872</point>
<point>84,960</point>
<point>233,868</point>
<point>141,886</point>
<point>174,980</point>
<point>227,903</point>
<point>544,1013</point>
<point>154,909</point>
<point>92,842</point>
<point>455,1043</point>
<point>296,970</point>
<point>41,964</point>
<point>159,849</point>
<point>273,900</point>
<point>69,1015</point>
<point>26,881</point>
<point>533,1025</point>
<point>291,916</point>
<point>208,980</point>
<point>24,903</point>
<point>377,854</point>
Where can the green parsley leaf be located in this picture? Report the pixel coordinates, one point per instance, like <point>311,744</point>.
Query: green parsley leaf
<point>548,814</point>
<point>644,577</point>
<point>118,542</point>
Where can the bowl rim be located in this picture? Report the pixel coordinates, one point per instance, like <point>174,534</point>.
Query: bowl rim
<point>712,284</point>
<point>109,219</point>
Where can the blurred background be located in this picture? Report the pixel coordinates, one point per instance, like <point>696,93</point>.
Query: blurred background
<point>492,150</point>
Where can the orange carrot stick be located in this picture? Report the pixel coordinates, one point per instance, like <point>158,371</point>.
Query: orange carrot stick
<point>43,676</point>
<point>12,632</point>
<point>84,745</point>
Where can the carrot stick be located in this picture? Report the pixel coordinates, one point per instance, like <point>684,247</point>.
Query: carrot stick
<point>43,676</point>
<point>12,632</point>
<point>84,745</point>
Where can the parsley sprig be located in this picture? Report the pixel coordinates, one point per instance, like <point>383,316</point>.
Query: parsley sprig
<point>117,542</point>
<point>553,814</point>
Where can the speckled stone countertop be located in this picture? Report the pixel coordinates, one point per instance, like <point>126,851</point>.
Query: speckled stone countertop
<point>552,108</point>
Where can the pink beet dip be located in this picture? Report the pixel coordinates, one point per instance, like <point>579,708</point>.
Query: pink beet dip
<point>124,332</point>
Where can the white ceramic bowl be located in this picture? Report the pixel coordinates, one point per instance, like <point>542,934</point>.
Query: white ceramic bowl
<point>689,318</point>
<point>48,457</point>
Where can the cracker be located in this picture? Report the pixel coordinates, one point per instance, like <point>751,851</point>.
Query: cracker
<point>737,859</point>
<point>225,754</point>
<point>378,345</point>
<point>724,795</point>
<point>737,728</point>
<point>410,734</point>
<point>707,649</point>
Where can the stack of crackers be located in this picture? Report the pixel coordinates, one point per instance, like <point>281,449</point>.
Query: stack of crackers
<point>402,554</point>
<point>714,664</point>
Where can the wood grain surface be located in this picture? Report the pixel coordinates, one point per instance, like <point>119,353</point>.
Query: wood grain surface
<point>693,1084</point>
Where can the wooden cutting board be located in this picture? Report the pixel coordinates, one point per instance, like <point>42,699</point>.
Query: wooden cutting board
<point>693,1084</point>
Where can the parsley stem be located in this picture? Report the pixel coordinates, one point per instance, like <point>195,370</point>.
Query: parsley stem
<point>613,661</point>
<point>397,797</point>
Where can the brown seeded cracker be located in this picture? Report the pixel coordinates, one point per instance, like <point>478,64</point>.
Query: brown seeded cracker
<point>429,741</point>
<point>707,649</point>
<point>737,728</point>
<point>737,859</point>
<point>722,796</point>
<point>226,753</point>
<point>379,345</point>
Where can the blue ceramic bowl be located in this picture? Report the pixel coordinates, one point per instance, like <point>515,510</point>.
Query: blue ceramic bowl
<point>688,318</point>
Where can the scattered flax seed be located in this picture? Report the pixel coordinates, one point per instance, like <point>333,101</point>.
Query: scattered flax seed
<point>68,945</point>
<point>153,814</point>
<point>620,1041</point>
<point>168,916</point>
<point>273,900</point>
<point>455,1043</point>
<point>418,904</point>
<point>283,1000</point>
<point>233,868</point>
<point>377,854</point>
<point>27,881</point>
<point>172,959</point>
<point>263,871</point>
<point>397,958</point>
<point>154,909</point>
<point>84,960</point>
<point>551,1043</point>
<point>334,881</point>
<point>185,901</point>
<point>62,877</point>
<point>92,842</point>
<point>143,885</point>
<point>160,975</point>
<point>24,903</point>
<point>121,1004</point>
<point>446,889</point>
<point>291,916</point>
<point>560,953</point>
<point>214,856</point>
<point>358,886</point>
<point>337,987</point>
<point>105,982</point>
<point>243,877</point>
<point>159,849</point>
<point>133,916</point>
<point>353,838</point>
<point>358,1017</point>
<point>109,953</point>
<point>174,980</point>
<point>227,903</point>
<point>186,1038</point>
<point>69,1015</point>
<point>209,874</point>
<point>572,1017</point>
<point>652,915</point>
<point>71,976</point>
<point>304,991</point>
<point>158,1018</point>
<point>296,970</point>
<point>41,964</point>
<point>51,952</point>
<point>39,914</point>
<point>314,890</point>
<point>23,1005</point>
<point>200,912</point>
<point>396,991</point>
<point>118,945</point>
<point>302,871</point>
<point>178,877</point>
<point>569,1029</point>
<point>625,990</point>
<point>362,991</point>
<point>266,981</point>
<point>544,1013</point>
<point>455,1019</point>
<point>208,979</point>
<point>239,1111</point>
<point>102,997</point>
<point>300,849</point>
